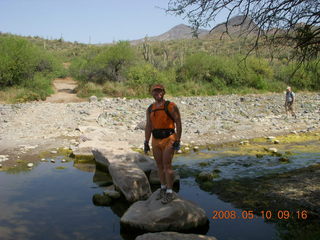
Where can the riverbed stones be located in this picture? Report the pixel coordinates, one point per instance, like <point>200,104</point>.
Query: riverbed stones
<point>151,215</point>
<point>173,236</point>
<point>130,180</point>
<point>140,126</point>
<point>4,158</point>
<point>93,99</point>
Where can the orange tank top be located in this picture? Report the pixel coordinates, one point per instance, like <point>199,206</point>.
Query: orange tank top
<point>159,118</point>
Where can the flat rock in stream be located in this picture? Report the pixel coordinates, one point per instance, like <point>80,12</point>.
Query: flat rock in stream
<point>173,236</point>
<point>104,157</point>
<point>85,148</point>
<point>153,216</point>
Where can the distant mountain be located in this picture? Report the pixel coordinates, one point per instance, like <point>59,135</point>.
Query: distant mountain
<point>238,25</point>
<point>180,31</point>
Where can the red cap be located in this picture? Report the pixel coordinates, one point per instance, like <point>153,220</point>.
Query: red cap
<point>157,86</point>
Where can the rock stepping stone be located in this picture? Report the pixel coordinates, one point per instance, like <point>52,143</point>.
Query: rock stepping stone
<point>130,180</point>
<point>173,236</point>
<point>153,216</point>
<point>105,157</point>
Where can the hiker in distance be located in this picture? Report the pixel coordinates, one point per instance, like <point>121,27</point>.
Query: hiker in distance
<point>290,99</point>
<point>164,122</point>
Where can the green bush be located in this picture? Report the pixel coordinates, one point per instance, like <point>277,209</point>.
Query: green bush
<point>304,77</point>
<point>89,89</point>
<point>20,60</point>
<point>226,72</point>
<point>108,64</point>
<point>17,61</point>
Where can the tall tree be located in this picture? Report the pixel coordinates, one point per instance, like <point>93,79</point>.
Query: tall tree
<point>293,23</point>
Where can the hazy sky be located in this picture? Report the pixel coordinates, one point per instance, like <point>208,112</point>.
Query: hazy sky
<point>97,21</point>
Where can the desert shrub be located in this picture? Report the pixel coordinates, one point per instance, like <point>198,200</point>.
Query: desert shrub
<point>142,76</point>
<point>20,60</point>
<point>304,77</point>
<point>226,72</point>
<point>107,64</point>
<point>87,89</point>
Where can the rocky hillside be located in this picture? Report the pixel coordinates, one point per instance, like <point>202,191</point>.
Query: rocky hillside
<point>236,26</point>
<point>180,31</point>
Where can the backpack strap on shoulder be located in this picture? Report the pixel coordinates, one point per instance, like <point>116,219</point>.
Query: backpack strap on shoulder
<point>150,108</point>
<point>166,104</point>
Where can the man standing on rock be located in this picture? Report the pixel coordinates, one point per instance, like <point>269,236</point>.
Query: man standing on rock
<point>163,118</point>
<point>290,98</point>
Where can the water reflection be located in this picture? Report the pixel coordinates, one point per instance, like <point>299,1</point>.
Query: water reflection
<point>50,203</point>
<point>47,203</point>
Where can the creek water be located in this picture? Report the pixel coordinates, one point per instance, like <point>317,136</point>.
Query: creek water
<point>54,200</point>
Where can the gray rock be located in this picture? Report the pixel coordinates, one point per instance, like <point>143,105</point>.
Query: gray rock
<point>101,199</point>
<point>104,119</point>
<point>205,176</point>
<point>105,157</point>
<point>173,236</point>
<point>4,158</point>
<point>30,165</point>
<point>140,126</point>
<point>111,192</point>
<point>144,162</point>
<point>272,150</point>
<point>93,99</point>
<point>130,180</point>
<point>151,215</point>
<point>84,149</point>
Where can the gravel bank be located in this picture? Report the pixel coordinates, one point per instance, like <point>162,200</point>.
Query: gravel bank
<point>32,127</point>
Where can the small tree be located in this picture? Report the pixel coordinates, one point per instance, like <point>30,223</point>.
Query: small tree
<point>110,62</point>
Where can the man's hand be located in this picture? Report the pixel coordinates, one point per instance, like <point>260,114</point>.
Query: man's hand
<point>176,145</point>
<point>146,147</point>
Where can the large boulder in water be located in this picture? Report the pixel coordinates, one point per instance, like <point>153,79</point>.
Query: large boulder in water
<point>104,157</point>
<point>153,216</point>
<point>130,180</point>
<point>173,236</point>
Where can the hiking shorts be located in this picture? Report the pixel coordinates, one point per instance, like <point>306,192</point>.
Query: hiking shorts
<point>289,106</point>
<point>164,143</point>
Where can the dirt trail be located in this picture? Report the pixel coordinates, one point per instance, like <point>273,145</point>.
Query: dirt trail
<point>64,91</point>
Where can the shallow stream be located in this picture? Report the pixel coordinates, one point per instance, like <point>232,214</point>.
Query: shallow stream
<point>54,200</point>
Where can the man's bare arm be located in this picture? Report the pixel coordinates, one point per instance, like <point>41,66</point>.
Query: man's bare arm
<point>147,131</point>
<point>177,119</point>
